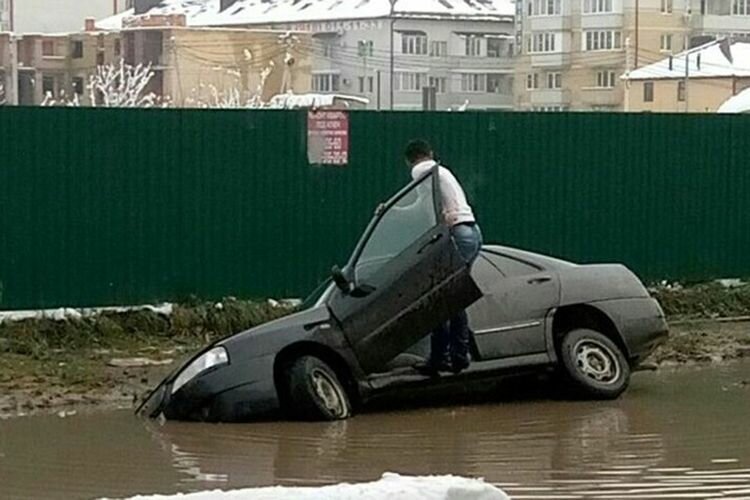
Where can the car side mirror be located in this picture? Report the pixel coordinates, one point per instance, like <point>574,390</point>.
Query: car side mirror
<point>341,282</point>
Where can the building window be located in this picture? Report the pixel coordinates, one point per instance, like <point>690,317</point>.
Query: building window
<point>100,59</point>
<point>545,7</point>
<point>326,82</point>
<point>48,48</point>
<point>76,49</point>
<point>741,7</point>
<point>648,91</point>
<point>473,82</point>
<point>366,84</point>
<point>439,83</point>
<point>473,46</point>
<point>328,48</point>
<point>605,79</point>
<point>543,42</point>
<point>554,80</point>
<point>532,81</point>
<point>414,43</point>
<point>48,85</point>
<point>603,40</point>
<point>667,6</point>
<point>438,49</point>
<point>365,48</point>
<point>499,84</point>
<point>666,43</point>
<point>497,47</point>
<point>409,82</point>
<point>681,91</point>
<point>78,85</point>
<point>597,6</point>
<point>549,109</point>
<point>118,47</point>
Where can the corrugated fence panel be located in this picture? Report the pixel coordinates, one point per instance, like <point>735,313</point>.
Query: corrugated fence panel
<point>105,207</point>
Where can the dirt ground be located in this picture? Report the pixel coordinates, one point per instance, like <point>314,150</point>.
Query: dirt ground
<point>113,360</point>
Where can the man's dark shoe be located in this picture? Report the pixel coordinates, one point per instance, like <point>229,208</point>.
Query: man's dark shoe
<point>431,369</point>
<point>460,363</point>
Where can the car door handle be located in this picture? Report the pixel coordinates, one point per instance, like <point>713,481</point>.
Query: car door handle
<point>539,280</point>
<point>435,238</point>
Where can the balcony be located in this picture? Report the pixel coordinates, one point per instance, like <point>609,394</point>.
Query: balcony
<point>614,20</point>
<point>550,60</point>
<point>715,23</point>
<point>549,23</point>
<point>549,97</point>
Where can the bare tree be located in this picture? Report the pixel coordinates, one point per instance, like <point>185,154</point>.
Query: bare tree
<point>122,86</point>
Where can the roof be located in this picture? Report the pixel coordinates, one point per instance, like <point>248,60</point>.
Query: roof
<point>713,63</point>
<point>243,12</point>
<point>739,103</point>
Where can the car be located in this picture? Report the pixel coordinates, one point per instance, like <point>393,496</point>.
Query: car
<point>360,333</point>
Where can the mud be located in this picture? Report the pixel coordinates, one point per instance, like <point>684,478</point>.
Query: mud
<point>674,434</point>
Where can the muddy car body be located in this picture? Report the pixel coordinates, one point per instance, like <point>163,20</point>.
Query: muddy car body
<point>362,332</point>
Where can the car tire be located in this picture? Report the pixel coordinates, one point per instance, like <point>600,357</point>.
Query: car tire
<point>593,365</point>
<point>315,391</point>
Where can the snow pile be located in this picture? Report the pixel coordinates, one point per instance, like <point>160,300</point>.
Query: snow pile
<point>737,104</point>
<point>706,61</point>
<point>390,487</point>
<point>65,313</point>
<point>295,101</point>
<point>245,12</point>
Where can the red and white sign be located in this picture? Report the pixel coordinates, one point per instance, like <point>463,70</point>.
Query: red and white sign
<point>328,137</point>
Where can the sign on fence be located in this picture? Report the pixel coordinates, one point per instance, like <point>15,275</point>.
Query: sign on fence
<point>328,137</point>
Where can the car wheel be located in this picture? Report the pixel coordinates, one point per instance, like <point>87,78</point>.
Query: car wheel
<point>595,367</point>
<point>315,391</point>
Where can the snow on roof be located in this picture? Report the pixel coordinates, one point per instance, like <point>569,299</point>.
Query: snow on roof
<point>706,61</point>
<point>206,12</point>
<point>391,486</point>
<point>739,103</point>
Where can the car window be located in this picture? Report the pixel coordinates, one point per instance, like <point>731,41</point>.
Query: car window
<point>400,226</point>
<point>510,266</point>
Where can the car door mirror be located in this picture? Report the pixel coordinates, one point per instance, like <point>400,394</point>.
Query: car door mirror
<point>341,281</point>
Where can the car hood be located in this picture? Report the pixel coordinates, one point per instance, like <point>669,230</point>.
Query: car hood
<point>283,327</point>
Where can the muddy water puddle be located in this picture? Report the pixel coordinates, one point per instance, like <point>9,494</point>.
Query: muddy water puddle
<point>682,434</point>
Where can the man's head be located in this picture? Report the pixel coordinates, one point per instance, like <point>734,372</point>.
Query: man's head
<point>417,151</point>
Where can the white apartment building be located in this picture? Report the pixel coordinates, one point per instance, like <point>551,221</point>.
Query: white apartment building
<point>462,52</point>
<point>54,16</point>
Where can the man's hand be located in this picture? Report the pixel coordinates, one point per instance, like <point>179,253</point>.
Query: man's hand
<point>381,208</point>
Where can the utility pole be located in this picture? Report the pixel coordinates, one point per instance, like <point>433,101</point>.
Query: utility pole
<point>637,29</point>
<point>628,69</point>
<point>393,76</point>
<point>11,91</point>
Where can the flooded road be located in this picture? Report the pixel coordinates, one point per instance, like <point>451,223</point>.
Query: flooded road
<point>684,434</point>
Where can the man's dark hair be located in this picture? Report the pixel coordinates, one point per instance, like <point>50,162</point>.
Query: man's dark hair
<point>416,150</point>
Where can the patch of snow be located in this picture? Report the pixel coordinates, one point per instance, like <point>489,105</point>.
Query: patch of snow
<point>247,12</point>
<point>713,63</point>
<point>739,103</point>
<point>65,313</point>
<point>295,101</point>
<point>390,487</point>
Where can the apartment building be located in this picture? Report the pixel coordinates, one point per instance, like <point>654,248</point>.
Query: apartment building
<point>571,53</point>
<point>214,67</point>
<point>711,19</point>
<point>414,54</point>
<point>698,80</point>
<point>54,16</point>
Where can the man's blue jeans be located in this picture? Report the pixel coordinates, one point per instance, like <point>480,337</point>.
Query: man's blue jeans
<point>450,342</point>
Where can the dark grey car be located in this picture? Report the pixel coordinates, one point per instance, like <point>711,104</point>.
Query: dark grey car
<point>361,331</point>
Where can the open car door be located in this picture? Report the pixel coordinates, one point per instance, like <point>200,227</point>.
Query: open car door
<point>406,277</point>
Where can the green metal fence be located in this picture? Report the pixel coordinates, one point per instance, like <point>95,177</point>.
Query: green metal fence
<point>105,207</point>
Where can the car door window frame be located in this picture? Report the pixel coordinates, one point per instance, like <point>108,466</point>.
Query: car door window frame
<point>433,174</point>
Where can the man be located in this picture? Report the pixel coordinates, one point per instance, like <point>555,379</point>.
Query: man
<point>450,342</point>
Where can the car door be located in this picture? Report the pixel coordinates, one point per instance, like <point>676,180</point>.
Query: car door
<point>510,319</point>
<point>406,275</point>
